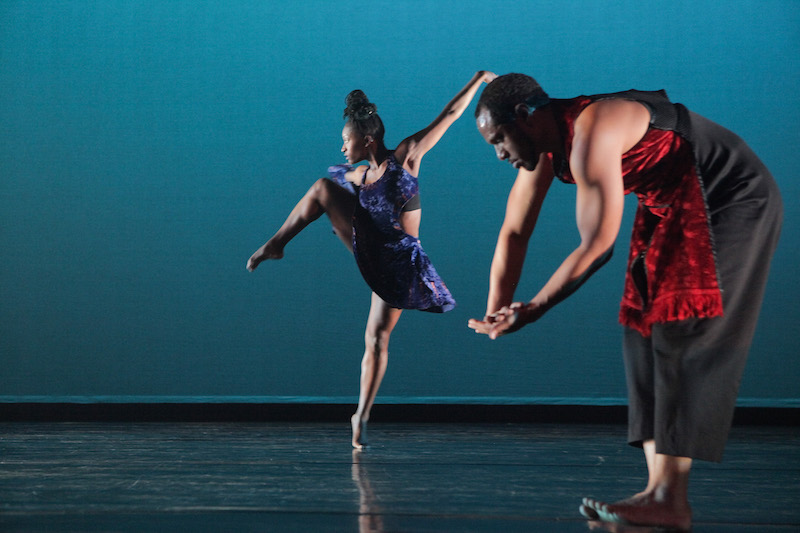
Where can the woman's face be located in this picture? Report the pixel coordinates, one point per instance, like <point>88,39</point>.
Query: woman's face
<point>354,145</point>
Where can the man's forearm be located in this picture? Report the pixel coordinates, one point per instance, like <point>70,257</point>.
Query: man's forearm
<point>509,257</point>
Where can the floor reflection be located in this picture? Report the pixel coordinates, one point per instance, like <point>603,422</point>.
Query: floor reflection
<point>611,527</point>
<point>370,515</point>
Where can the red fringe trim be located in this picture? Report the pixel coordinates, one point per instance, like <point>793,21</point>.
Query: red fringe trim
<point>670,308</point>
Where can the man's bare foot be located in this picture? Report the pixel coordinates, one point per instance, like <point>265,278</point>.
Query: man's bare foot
<point>644,509</point>
<point>359,432</point>
<point>269,251</point>
<point>588,512</point>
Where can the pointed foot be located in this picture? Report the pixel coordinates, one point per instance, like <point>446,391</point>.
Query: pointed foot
<point>359,428</point>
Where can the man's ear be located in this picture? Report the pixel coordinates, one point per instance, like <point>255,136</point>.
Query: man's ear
<point>522,111</point>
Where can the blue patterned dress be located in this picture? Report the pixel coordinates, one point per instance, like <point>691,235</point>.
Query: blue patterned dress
<point>391,261</point>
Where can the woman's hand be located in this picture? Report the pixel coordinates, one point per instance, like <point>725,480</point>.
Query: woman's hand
<point>507,320</point>
<point>487,76</point>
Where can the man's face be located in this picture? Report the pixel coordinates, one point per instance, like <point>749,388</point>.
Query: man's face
<point>509,140</point>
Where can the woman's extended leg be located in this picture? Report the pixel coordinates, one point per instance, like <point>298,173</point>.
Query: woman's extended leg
<point>381,322</point>
<point>324,196</point>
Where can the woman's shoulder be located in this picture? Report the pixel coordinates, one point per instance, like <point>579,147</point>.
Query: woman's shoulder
<point>346,175</point>
<point>355,174</point>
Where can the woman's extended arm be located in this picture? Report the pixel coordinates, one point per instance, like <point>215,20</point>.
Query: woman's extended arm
<point>411,149</point>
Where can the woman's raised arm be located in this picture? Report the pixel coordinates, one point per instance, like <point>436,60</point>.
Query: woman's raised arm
<point>410,151</point>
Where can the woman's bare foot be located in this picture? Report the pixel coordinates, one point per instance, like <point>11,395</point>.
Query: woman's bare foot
<point>270,250</point>
<point>359,432</point>
<point>645,509</point>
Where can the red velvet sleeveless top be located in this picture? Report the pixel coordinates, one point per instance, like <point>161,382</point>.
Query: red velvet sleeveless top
<point>671,272</point>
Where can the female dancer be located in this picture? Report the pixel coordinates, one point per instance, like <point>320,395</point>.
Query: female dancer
<point>374,209</point>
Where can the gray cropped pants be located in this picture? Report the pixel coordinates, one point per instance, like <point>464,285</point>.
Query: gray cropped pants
<point>683,380</point>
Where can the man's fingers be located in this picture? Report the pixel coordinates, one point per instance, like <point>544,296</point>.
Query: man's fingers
<point>479,326</point>
<point>499,329</point>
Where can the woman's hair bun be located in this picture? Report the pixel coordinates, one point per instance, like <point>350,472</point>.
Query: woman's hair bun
<point>358,106</point>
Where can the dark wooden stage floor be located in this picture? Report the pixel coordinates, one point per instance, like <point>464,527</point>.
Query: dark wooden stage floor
<point>120,477</point>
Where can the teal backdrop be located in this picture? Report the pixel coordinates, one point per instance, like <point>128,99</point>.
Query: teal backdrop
<point>147,148</point>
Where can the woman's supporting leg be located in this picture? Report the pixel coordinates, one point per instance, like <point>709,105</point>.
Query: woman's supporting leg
<point>324,196</point>
<point>381,322</point>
